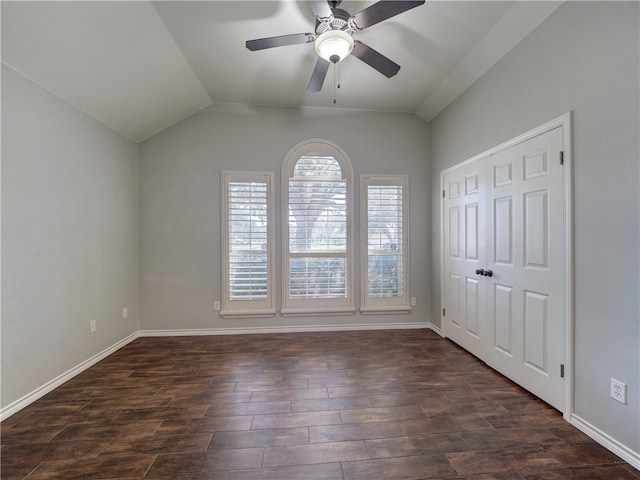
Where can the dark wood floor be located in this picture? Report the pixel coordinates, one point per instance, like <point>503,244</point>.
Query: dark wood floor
<point>389,405</point>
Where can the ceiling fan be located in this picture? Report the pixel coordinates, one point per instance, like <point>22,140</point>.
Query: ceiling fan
<point>333,36</point>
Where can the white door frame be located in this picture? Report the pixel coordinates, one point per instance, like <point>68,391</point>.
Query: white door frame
<point>563,121</point>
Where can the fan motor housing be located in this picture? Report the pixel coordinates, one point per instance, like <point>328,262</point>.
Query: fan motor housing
<point>340,21</point>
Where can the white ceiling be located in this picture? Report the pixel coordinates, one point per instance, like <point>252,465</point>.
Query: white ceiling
<point>141,66</point>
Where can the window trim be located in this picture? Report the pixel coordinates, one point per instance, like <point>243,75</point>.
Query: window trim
<point>247,308</point>
<point>324,306</point>
<point>383,304</point>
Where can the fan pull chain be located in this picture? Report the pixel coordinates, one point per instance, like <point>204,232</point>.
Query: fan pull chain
<point>336,80</point>
<point>335,68</point>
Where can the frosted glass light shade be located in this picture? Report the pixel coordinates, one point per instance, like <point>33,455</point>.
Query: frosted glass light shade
<point>334,43</point>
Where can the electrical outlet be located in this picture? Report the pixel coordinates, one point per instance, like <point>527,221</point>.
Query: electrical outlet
<point>216,306</point>
<point>618,391</point>
<point>92,326</point>
<point>412,301</point>
<point>125,312</point>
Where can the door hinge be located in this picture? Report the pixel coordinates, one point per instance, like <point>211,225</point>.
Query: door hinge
<point>561,157</point>
<point>442,193</point>
<point>443,312</point>
<point>562,370</point>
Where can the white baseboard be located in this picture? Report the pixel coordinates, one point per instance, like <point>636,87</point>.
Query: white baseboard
<point>283,329</point>
<point>611,444</point>
<point>436,329</point>
<point>51,385</point>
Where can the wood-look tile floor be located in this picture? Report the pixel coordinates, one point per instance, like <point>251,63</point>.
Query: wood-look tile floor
<point>388,405</point>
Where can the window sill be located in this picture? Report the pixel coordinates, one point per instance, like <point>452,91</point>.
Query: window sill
<point>289,312</point>
<point>391,309</point>
<point>247,313</point>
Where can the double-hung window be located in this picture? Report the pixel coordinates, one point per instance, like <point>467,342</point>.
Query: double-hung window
<point>317,230</point>
<point>247,200</point>
<point>384,246</point>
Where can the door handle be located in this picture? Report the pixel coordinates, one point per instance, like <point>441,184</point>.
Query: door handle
<point>486,273</point>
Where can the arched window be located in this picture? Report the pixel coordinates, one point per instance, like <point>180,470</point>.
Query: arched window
<point>317,230</point>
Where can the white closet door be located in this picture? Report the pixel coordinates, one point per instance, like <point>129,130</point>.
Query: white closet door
<point>504,218</point>
<point>464,238</point>
<point>526,237</point>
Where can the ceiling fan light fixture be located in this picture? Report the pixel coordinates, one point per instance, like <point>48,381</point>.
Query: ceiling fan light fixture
<point>334,45</point>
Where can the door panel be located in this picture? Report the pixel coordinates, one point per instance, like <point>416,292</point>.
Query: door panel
<point>503,319</point>
<point>503,245</point>
<point>471,303</point>
<point>453,300</point>
<point>502,174</point>
<point>536,229</point>
<point>536,318</point>
<point>454,232</point>
<point>471,229</point>
<point>512,204</point>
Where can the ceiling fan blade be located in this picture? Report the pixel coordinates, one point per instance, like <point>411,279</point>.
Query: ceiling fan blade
<point>318,75</point>
<point>320,8</point>
<point>375,59</point>
<point>382,10</point>
<point>280,41</point>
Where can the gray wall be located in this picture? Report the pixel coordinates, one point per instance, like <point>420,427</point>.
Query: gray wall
<point>69,236</point>
<point>584,58</point>
<point>70,216</point>
<point>180,202</point>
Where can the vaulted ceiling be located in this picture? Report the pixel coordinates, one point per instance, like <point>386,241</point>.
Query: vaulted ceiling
<point>141,66</point>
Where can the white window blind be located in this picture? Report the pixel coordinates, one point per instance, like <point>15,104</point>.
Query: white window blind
<point>248,246</point>
<point>318,226</point>
<point>317,251</point>
<point>384,240</point>
<point>247,240</point>
<point>385,274</point>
